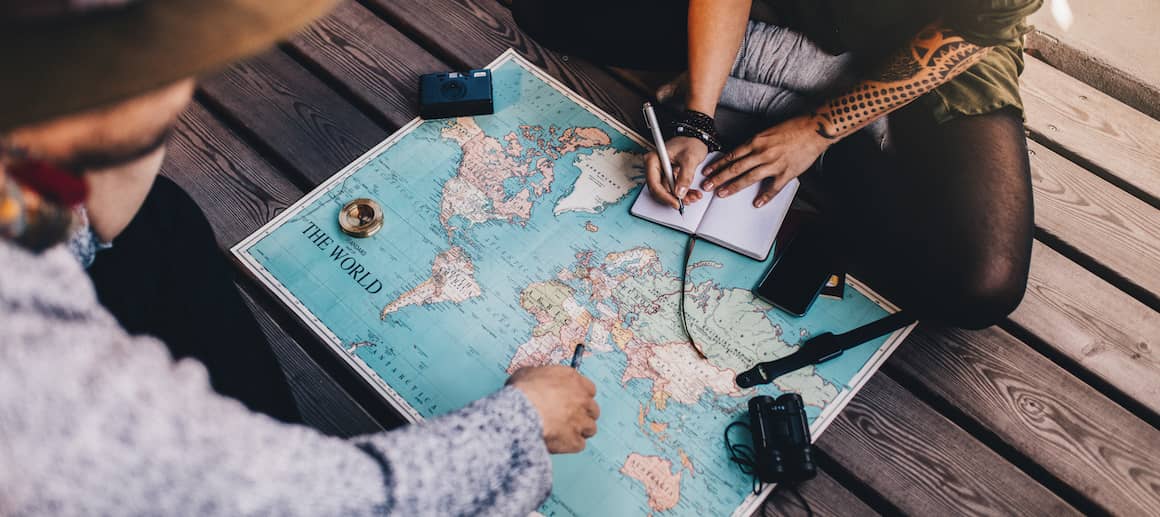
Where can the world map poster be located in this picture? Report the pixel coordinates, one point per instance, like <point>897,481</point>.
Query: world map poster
<point>507,240</point>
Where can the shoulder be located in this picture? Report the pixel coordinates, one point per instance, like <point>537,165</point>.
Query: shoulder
<point>49,314</point>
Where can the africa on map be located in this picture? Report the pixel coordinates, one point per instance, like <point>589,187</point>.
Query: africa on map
<point>507,240</point>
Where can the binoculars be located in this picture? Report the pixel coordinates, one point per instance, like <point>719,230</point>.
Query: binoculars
<point>781,439</point>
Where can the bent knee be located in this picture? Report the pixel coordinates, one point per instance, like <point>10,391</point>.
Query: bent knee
<point>983,298</point>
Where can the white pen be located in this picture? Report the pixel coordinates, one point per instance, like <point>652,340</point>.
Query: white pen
<point>650,118</point>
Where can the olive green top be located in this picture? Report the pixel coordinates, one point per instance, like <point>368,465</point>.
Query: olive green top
<point>874,28</point>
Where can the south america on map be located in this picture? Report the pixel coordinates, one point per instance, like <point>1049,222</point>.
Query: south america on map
<point>507,240</point>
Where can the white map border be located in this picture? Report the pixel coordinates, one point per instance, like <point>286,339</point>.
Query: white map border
<point>241,252</point>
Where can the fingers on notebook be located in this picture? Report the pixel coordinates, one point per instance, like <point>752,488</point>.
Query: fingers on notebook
<point>754,175</point>
<point>732,165</point>
<point>769,188</point>
<point>739,174</point>
<point>685,168</point>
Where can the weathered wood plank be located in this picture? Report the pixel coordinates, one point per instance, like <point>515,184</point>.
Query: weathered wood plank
<point>483,29</point>
<point>1094,324</point>
<point>1103,222</point>
<point>924,464</point>
<point>236,188</point>
<point>644,82</point>
<point>825,495</point>
<point>1093,127</point>
<point>375,62</point>
<point>1065,426</point>
<point>1111,45</point>
<point>238,191</point>
<point>293,114</point>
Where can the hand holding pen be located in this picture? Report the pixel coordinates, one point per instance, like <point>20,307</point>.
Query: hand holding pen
<point>669,185</point>
<point>577,356</point>
<point>565,401</point>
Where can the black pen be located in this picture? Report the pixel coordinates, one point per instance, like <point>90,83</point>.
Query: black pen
<point>577,355</point>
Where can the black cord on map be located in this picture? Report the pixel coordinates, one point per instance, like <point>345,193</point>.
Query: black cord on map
<point>743,456</point>
<point>746,459</point>
<point>684,294</point>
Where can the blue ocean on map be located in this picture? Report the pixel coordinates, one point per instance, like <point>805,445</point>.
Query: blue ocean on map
<point>502,235</point>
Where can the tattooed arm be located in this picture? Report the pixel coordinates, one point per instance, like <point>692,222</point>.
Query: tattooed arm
<point>934,57</point>
<point>784,151</point>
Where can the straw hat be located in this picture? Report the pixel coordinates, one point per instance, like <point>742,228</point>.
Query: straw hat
<point>63,56</point>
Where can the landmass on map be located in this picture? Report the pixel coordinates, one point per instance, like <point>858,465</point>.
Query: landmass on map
<point>606,176</point>
<point>502,180</point>
<point>649,427</point>
<point>661,484</point>
<point>686,463</point>
<point>628,301</point>
<point>452,280</point>
<point>353,347</point>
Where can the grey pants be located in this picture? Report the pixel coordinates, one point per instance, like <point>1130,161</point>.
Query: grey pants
<point>779,74</point>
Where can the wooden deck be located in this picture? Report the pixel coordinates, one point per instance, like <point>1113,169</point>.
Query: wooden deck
<point>1054,411</point>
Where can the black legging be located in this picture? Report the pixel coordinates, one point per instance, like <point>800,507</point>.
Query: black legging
<point>942,225</point>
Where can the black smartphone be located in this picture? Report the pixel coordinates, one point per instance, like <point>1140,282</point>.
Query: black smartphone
<point>798,275</point>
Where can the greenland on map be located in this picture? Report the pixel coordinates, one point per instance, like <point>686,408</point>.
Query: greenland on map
<point>507,240</point>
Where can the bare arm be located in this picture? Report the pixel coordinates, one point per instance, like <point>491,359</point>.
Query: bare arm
<point>716,29</point>
<point>782,152</point>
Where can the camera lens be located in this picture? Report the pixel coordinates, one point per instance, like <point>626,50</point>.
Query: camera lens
<point>454,89</point>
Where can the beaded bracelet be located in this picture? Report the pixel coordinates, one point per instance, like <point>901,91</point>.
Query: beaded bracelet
<point>694,124</point>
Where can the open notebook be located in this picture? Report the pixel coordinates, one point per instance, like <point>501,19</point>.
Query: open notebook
<point>730,222</point>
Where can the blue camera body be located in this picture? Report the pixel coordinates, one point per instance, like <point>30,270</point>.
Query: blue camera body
<point>452,94</point>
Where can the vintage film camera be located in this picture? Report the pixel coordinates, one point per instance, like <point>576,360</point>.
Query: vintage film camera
<point>452,94</point>
<point>781,439</point>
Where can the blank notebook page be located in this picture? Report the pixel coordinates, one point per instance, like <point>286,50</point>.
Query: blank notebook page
<point>649,209</point>
<point>735,224</point>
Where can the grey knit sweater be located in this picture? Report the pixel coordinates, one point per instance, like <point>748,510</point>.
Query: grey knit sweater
<point>96,422</point>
